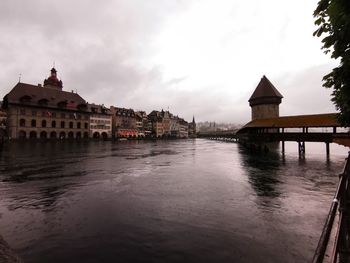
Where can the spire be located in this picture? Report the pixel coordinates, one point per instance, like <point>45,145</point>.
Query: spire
<point>193,120</point>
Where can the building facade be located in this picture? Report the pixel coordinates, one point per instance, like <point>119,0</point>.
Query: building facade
<point>123,123</point>
<point>265,100</point>
<point>100,124</point>
<point>36,111</point>
<point>156,124</point>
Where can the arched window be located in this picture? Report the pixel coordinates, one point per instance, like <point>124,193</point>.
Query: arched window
<point>62,124</point>
<point>70,135</point>
<point>32,135</point>
<point>62,135</point>
<point>22,122</point>
<point>22,134</point>
<point>33,123</point>
<point>53,124</point>
<point>71,125</point>
<point>43,135</point>
<point>43,124</point>
<point>53,135</point>
<point>86,125</point>
<point>78,125</point>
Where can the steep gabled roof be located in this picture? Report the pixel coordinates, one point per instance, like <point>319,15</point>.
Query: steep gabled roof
<point>265,89</point>
<point>37,93</point>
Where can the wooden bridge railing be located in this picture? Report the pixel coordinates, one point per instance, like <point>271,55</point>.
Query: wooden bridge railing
<point>334,243</point>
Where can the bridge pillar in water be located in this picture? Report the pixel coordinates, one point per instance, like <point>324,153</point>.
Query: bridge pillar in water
<point>283,147</point>
<point>327,148</point>
<point>301,148</point>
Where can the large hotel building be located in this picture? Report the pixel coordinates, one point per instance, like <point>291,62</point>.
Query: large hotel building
<point>46,111</point>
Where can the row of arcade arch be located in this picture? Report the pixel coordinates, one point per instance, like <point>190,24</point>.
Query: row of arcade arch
<point>60,135</point>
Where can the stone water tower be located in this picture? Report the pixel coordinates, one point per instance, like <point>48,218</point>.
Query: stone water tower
<point>265,100</point>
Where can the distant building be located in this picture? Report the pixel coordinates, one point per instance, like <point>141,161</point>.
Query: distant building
<point>123,123</point>
<point>183,129</point>
<point>265,100</point>
<point>36,111</point>
<point>3,117</point>
<point>156,124</point>
<point>192,129</point>
<point>174,127</point>
<point>142,124</point>
<point>100,122</point>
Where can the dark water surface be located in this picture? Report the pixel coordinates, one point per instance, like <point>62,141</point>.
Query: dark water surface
<point>165,201</point>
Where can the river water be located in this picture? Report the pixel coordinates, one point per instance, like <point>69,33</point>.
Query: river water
<point>165,201</point>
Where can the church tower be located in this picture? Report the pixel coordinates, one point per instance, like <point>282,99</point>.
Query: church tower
<point>53,81</point>
<point>265,100</point>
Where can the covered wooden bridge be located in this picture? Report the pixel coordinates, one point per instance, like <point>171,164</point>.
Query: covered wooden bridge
<point>303,128</point>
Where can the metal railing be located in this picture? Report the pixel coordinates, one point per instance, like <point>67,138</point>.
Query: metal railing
<point>337,247</point>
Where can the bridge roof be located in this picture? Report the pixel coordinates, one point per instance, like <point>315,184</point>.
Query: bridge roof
<point>300,121</point>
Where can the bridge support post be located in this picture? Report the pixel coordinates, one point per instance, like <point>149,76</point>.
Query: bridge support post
<point>283,147</point>
<point>327,148</point>
<point>301,148</point>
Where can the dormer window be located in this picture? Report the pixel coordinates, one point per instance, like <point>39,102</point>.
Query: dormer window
<point>82,106</point>
<point>25,99</point>
<point>43,102</point>
<point>62,104</point>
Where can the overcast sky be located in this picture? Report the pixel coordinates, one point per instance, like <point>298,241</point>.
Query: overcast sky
<point>195,57</point>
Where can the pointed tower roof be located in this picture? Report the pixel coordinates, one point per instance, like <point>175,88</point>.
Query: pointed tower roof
<point>265,93</point>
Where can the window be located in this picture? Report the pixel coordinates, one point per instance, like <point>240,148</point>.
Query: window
<point>22,122</point>
<point>71,125</point>
<point>62,124</point>
<point>33,123</point>
<point>86,125</point>
<point>43,123</point>
<point>78,125</point>
<point>53,124</point>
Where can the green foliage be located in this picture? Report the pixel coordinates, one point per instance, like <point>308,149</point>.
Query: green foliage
<point>333,21</point>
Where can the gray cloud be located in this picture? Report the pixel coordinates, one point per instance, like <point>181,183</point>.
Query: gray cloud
<point>102,49</point>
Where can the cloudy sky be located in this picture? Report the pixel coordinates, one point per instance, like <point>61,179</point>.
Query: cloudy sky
<point>195,57</point>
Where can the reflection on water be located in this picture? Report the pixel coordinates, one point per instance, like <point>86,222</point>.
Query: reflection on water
<point>263,172</point>
<point>173,201</point>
